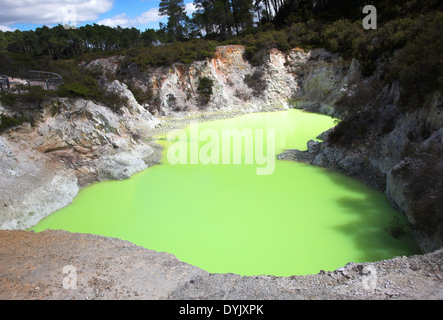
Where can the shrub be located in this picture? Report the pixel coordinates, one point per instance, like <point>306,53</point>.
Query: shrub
<point>114,101</point>
<point>142,97</point>
<point>9,122</point>
<point>80,89</point>
<point>340,36</point>
<point>204,89</point>
<point>305,35</point>
<point>372,44</point>
<point>255,82</point>
<point>165,55</point>
<point>29,97</point>
<point>353,128</point>
<point>361,96</point>
<point>78,81</point>
<point>419,65</point>
<point>8,99</point>
<point>15,64</point>
<point>82,84</point>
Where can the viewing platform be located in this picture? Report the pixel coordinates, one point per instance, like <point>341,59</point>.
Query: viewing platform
<point>44,79</point>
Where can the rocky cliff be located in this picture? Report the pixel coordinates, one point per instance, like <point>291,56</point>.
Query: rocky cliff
<point>77,142</point>
<point>313,79</point>
<point>399,153</point>
<point>394,151</point>
<point>72,144</point>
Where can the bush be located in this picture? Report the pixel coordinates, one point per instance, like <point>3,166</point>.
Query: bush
<point>340,36</point>
<point>8,99</point>
<point>255,82</point>
<point>142,97</point>
<point>114,101</point>
<point>353,128</point>
<point>305,35</point>
<point>91,56</point>
<point>362,96</point>
<point>372,44</point>
<point>29,97</point>
<point>9,122</point>
<point>16,64</point>
<point>165,55</point>
<point>81,83</point>
<point>204,89</point>
<point>80,90</point>
<point>419,65</point>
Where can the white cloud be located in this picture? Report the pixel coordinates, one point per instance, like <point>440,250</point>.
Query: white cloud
<point>124,21</point>
<point>190,8</point>
<point>6,28</point>
<point>121,20</point>
<point>151,15</point>
<point>51,11</point>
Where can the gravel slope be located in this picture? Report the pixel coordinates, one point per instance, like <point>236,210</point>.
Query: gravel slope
<point>31,267</point>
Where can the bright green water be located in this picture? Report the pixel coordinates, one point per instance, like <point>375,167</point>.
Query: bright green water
<point>226,218</point>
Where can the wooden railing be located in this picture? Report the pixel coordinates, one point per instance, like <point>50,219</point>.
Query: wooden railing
<point>4,83</point>
<point>47,80</point>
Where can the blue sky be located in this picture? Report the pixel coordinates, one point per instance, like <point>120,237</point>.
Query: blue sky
<point>30,14</point>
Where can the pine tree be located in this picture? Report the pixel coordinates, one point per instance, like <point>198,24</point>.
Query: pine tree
<point>177,19</point>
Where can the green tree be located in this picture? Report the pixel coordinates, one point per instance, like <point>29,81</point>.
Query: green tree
<point>201,17</point>
<point>215,18</point>
<point>3,41</point>
<point>149,37</point>
<point>177,19</point>
<point>242,13</point>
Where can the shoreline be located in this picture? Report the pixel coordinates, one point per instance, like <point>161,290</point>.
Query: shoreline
<point>98,257</point>
<point>113,269</point>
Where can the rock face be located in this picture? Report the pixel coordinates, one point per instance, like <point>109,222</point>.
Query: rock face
<point>75,143</point>
<point>415,181</point>
<point>300,79</point>
<point>324,78</point>
<point>32,186</point>
<point>405,163</point>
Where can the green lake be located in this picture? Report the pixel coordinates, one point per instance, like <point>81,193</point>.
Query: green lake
<point>226,218</point>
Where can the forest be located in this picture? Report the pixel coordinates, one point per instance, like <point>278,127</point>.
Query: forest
<point>414,26</point>
<point>218,20</point>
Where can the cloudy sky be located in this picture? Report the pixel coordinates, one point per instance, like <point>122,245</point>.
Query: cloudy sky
<point>30,14</point>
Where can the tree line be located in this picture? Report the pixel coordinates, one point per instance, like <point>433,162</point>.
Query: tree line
<point>59,42</point>
<point>213,20</point>
<point>222,19</point>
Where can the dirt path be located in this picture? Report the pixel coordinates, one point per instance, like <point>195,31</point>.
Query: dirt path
<point>32,267</point>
